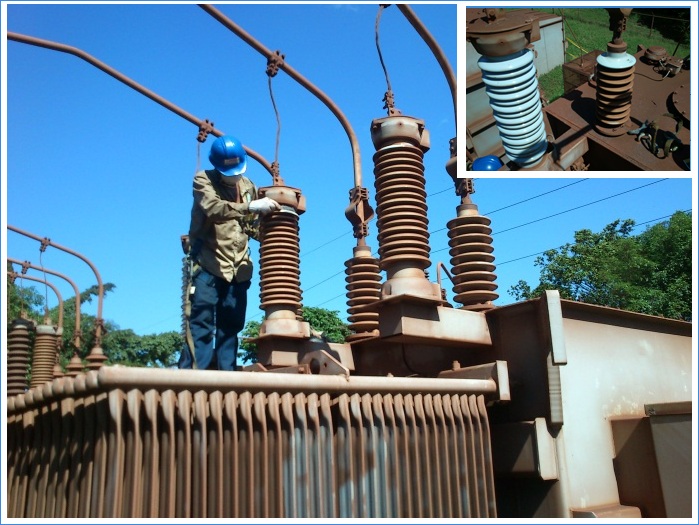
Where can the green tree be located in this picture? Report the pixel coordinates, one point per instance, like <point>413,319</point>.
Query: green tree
<point>327,322</point>
<point>23,302</point>
<point>125,347</point>
<point>648,273</point>
<point>324,323</point>
<point>247,351</point>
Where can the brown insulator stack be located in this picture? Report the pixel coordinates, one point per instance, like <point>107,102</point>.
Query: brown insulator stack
<point>614,76</point>
<point>75,366</point>
<point>96,358</point>
<point>57,370</point>
<point>614,91</point>
<point>280,277</point>
<point>44,356</point>
<point>363,288</point>
<point>472,259</point>
<point>280,284</point>
<point>404,249</point>
<point>18,349</point>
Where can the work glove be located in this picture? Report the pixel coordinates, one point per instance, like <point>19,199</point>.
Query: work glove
<point>263,206</point>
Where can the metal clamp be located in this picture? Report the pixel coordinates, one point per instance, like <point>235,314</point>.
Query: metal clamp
<point>274,62</point>
<point>359,212</point>
<point>205,128</point>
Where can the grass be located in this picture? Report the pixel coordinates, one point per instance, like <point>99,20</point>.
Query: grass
<point>587,29</point>
<point>552,83</point>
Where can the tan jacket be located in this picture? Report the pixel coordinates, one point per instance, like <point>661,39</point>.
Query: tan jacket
<point>221,225</point>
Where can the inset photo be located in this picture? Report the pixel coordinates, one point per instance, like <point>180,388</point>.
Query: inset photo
<point>578,89</point>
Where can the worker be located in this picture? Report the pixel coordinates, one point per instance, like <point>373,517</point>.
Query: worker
<point>225,213</point>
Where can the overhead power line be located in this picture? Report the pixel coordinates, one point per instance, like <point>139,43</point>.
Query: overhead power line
<point>634,227</point>
<point>581,206</point>
<point>568,210</point>
<point>522,201</point>
<point>536,196</point>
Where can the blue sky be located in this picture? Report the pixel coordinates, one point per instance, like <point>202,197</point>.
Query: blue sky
<point>106,172</point>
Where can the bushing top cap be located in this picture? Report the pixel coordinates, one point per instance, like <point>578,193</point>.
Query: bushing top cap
<point>495,32</point>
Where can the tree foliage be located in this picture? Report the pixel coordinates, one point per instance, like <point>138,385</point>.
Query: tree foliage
<point>322,321</point>
<point>649,273</point>
<point>247,351</point>
<point>23,302</point>
<point>124,347</point>
<point>326,322</point>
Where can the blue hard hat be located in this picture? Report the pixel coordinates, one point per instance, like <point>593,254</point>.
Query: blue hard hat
<point>228,156</point>
<point>487,163</point>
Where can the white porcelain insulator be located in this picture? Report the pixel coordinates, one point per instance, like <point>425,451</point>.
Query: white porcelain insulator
<point>513,90</point>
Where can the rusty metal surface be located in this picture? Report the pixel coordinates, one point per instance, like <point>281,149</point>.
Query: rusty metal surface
<point>282,350</point>
<point>411,319</point>
<point>653,97</point>
<point>109,444</point>
<point>680,98</point>
<point>496,32</point>
<point>496,371</point>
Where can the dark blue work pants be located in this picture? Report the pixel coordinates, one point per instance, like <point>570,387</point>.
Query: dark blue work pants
<point>218,309</point>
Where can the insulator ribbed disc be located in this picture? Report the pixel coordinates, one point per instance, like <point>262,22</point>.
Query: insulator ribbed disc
<point>401,205</point>
<point>471,268</point>
<point>280,271</point>
<point>363,288</point>
<point>614,93</point>
<point>513,91</point>
<point>18,349</point>
<point>471,251</point>
<point>472,262</point>
<point>43,359</point>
